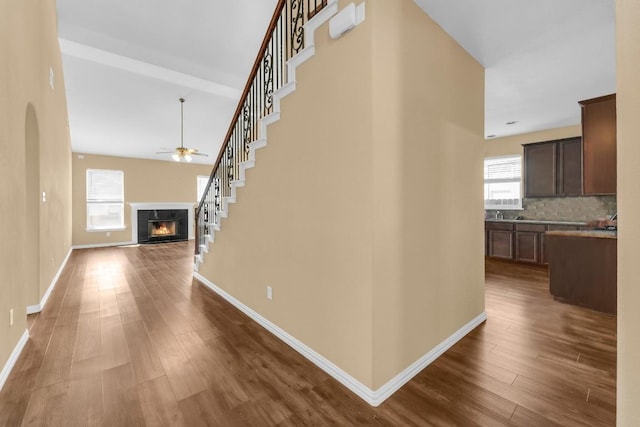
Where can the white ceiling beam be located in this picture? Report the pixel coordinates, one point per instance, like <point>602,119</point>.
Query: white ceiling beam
<point>145,69</point>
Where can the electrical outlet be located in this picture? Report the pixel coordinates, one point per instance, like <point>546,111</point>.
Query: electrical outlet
<point>108,234</point>
<point>52,262</point>
<point>269,293</point>
<point>52,78</point>
<point>11,317</point>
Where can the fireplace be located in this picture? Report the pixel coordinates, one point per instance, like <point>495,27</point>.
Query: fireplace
<point>163,225</point>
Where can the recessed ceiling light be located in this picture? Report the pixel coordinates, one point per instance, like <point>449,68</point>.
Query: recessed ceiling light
<point>512,122</point>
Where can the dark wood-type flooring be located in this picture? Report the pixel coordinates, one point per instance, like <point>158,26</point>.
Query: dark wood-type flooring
<point>128,339</point>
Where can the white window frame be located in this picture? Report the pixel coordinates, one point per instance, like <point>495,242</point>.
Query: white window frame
<point>104,201</point>
<point>510,205</point>
<point>205,180</point>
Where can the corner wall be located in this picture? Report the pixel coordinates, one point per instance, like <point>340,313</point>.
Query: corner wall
<point>628,111</point>
<point>145,181</point>
<point>428,124</point>
<point>28,48</point>
<point>342,214</point>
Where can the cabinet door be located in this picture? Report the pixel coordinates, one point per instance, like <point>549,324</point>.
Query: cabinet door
<point>599,145</point>
<point>527,246</point>
<point>500,244</point>
<point>540,170</point>
<point>569,167</point>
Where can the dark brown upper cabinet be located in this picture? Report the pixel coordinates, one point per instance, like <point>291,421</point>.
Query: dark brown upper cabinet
<point>599,145</point>
<point>569,181</point>
<point>553,168</point>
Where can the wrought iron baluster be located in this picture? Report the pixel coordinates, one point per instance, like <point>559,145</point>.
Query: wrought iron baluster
<point>297,30</point>
<point>268,77</point>
<point>216,200</point>
<point>230,163</point>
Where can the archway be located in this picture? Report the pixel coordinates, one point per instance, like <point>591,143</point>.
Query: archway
<point>32,209</point>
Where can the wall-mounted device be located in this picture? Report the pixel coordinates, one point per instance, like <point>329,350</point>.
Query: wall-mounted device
<point>346,20</point>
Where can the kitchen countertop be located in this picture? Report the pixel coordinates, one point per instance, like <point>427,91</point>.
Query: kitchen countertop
<point>600,234</point>
<point>534,221</point>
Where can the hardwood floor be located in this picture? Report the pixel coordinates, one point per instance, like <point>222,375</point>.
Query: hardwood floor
<point>127,339</point>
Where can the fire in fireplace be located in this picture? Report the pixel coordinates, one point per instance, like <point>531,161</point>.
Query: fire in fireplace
<point>162,228</point>
<point>163,225</point>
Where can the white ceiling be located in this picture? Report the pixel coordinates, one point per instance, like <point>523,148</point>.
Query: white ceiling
<point>126,63</point>
<point>541,57</point>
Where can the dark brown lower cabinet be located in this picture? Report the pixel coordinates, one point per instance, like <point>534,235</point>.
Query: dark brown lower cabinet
<point>528,238</point>
<point>499,240</point>
<point>501,244</point>
<point>582,271</point>
<point>521,242</point>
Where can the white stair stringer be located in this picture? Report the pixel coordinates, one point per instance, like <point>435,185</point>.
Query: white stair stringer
<point>287,89</point>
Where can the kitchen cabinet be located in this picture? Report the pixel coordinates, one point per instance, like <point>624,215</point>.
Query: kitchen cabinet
<point>599,145</point>
<point>540,169</point>
<point>553,168</point>
<point>500,240</point>
<point>569,178</point>
<point>521,241</point>
<point>528,242</point>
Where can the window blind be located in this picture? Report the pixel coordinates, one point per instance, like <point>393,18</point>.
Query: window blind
<point>502,177</point>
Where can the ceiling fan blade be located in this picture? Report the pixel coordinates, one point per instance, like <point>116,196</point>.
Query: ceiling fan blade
<point>199,154</point>
<point>165,152</point>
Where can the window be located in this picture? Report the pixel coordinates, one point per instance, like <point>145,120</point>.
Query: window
<point>105,199</point>
<point>502,177</point>
<point>203,180</point>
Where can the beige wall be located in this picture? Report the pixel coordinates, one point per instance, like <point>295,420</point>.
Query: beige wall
<point>144,181</point>
<point>510,145</point>
<point>28,47</point>
<point>628,110</point>
<point>338,214</point>
<point>303,221</point>
<point>428,115</point>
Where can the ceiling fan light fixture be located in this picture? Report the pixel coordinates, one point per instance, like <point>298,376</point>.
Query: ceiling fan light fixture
<point>182,153</point>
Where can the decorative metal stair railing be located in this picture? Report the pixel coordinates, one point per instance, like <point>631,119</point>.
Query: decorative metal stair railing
<point>285,38</point>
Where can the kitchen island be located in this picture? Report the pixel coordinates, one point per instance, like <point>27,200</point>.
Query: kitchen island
<point>583,268</point>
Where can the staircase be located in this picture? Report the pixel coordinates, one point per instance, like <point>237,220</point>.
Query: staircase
<point>289,42</point>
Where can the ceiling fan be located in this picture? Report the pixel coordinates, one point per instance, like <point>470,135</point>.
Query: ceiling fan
<point>182,153</point>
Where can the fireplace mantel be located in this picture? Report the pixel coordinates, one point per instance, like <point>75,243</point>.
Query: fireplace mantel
<point>135,207</point>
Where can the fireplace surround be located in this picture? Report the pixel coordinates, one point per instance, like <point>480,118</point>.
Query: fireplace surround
<point>163,225</point>
<point>161,222</point>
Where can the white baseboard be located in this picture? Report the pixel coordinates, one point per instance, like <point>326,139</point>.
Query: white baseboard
<point>102,245</point>
<point>372,397</point>
<point>32,309</point>
<point>108,245</point>
<point>394,384</point>
<point>13,358</point>
<point>37,308</point>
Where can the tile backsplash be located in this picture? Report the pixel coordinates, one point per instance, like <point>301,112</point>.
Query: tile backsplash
<point>563,208</point>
